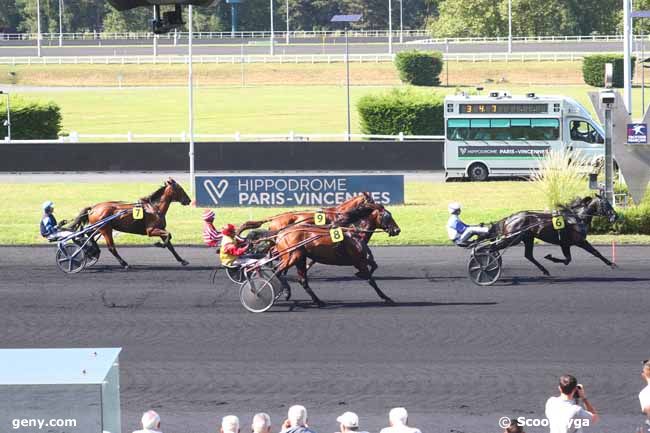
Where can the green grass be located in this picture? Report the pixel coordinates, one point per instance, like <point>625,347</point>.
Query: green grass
<point>226,110</point>
<point>422,220</point>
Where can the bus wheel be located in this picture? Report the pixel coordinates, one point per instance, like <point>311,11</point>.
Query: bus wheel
<point>477,172</point>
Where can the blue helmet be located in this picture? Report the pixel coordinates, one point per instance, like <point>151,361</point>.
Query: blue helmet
<point>47,205</point>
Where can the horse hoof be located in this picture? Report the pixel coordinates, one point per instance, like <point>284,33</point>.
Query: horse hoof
<point>184,262</point>
<point>125,267</point>
<point>321,304</point>
<point>159,245</point>
<point>546,273</point>
<point>287,296</point>
<point>548,257</point>
<point>613,266</point>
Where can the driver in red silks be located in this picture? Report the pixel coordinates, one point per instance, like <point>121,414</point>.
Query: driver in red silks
<point>231,253</point>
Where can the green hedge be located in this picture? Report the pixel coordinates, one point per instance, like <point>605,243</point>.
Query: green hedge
<point>30,119</point>
<point>402,110</point>
<point>593,69</point>
<point>631,221</point>
<point>419,68</point>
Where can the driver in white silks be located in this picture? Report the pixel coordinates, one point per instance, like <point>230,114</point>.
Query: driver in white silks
<point>459,232</point>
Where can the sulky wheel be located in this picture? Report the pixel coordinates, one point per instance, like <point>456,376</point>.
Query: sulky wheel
<point>258,293</point>
<point>484,268</point>
<point>236,274</point>
<point>70,258</point>
<point>92,252</point>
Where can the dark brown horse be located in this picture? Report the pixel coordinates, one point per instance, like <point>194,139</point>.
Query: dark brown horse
<point>278,222</point>
<point>314,242</point>
<point>527,226</point>
<point>152,223</point>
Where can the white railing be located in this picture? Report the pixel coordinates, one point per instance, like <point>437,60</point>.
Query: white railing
<point>281,58</point>
<point>76,137</point>
<point>297,34</point>
<point>90,36</point>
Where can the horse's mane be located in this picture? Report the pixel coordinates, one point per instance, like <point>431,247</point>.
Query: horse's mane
<point>361,211</point>
<point>155,196</point>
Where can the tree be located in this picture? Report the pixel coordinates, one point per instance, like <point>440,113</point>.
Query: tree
<point>535,18</point>
<point>9,17</point>
<point>470,18</point>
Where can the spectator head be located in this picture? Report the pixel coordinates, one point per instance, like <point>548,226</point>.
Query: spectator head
<point>349,422</point>
<point>568,384</point>
<point>398,416</point>
<point>514,427</point>
<point>261,423</point>
<point>297,415</point>
<point>230,424</point>
<point>645,373</point>
<point>150,420</point>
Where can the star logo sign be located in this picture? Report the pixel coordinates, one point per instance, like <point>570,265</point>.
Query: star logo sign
<point>639,129</point>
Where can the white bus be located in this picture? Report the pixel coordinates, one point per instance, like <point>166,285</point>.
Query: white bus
<point>503,135</point>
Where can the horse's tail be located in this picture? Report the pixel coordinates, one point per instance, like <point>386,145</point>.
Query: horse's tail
<point>81,220</point>
<point>249,225</point>
<point>496,229</point>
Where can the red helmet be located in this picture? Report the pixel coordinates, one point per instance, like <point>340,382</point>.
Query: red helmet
<point>228,230</point>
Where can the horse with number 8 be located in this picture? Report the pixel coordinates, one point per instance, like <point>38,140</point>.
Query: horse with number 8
<point>147,217</point>
<point>321,244</point>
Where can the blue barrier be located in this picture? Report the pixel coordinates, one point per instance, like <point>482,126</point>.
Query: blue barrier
<point>295,190</point>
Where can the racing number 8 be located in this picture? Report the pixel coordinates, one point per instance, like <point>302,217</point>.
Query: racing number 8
<point>558,222</point>
<point>336,234</point>
<point>138,213</point>
<point>319,218</point>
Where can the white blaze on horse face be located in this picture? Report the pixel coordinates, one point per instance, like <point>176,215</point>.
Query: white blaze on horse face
<point>215,191</point>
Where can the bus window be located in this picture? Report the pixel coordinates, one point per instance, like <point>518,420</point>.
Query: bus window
<point>458,129</point>
<point>581,130</point>
<point>503,129</point>
<point>545,129</point>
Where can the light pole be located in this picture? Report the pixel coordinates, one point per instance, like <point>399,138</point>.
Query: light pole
<point>509,26</point>
<point>38,27</point>
<point>287,41</point>
<point>401,22</point>
<point>60,23</point>
<point>390,27</point>
<point>272,38</point>
<point>7,122</point>
<point>347,19</point>
<point>627,70</point>
<point>190,99</point>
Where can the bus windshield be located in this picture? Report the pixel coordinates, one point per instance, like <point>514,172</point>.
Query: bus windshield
<point>516,129</point>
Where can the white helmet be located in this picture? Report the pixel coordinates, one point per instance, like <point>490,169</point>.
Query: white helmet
<point>47,205</point>
<point>453,207</point>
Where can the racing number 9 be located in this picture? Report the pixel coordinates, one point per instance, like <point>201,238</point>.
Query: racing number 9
<point>336,234</point>
<point>319,218</point>
<point>138,213</point>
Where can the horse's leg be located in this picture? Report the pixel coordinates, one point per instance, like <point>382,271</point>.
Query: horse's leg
<point>311,263</point>
<point>301,267</point>
<point>585,245</point>
<point>371,260</point>
<point>166,238</point>
<point>365,274</point>
<point>107,233</point>
<point>529,243</point>
<point>566,250</point>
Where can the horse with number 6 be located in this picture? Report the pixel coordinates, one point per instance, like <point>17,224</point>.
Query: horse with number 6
<point>146,217</point>
<point>322,245</point>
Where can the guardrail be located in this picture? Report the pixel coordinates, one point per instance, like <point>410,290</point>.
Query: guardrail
<point>76,137</point>
<point>296,34</point>
<point>88,36</point>
<point>280,58</point>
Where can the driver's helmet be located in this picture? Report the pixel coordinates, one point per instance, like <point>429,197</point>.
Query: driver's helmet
<point>228,230</point>
<point>47,205</point>
<point>454,207</point>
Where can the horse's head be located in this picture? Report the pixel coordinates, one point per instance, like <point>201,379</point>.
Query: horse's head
<point>355,202</point>
<point>177,193</point>
<point>600,206</point>
<point>386,222</point>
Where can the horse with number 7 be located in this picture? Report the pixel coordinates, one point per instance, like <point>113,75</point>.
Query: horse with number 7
<point>147,217</point>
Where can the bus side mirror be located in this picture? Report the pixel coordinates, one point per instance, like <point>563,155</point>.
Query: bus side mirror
<point>593,181</point>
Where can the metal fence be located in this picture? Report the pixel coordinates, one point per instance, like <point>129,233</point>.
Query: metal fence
<point>76,137</point>
<point>279,58</point>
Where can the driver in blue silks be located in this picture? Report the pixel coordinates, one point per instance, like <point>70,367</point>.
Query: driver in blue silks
<point>50,229</point>
<point>459,232</point>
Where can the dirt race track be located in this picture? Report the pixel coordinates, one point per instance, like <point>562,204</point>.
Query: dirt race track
<point>456,355</point>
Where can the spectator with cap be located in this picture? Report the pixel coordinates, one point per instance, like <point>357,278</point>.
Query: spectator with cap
<point>564,412</point>
<point>230,424</point>
<point>261,423</point>
<point>348,423</point>
<point>398,420</point>
<point>150,422</point>
<point>644,395</point>
<point>296,421</point>
<point>211,236</point>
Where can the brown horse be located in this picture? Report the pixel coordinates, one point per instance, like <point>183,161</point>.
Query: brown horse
<point>314,242</point>
<point>278,222</point>
<point>152,224</point>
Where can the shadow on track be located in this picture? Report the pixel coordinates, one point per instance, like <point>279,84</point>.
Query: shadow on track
<point>336,305</point>
<point>118,270</point>
<point>516,281</point>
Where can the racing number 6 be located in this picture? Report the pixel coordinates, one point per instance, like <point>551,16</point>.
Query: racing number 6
<point>558,222</point>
